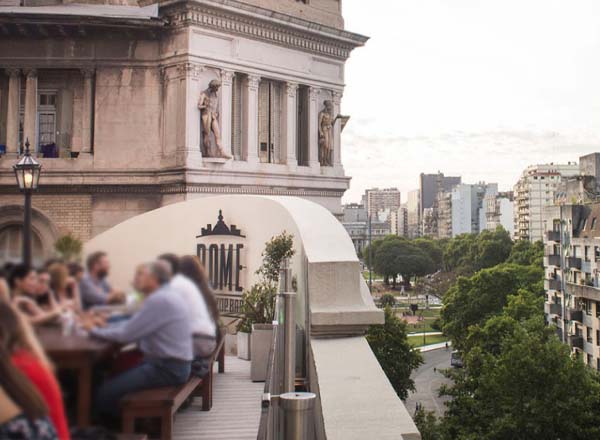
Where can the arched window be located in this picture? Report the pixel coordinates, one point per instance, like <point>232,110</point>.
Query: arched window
<point>11,245</point>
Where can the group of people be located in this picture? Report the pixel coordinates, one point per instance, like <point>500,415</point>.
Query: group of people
<point>171,335</point>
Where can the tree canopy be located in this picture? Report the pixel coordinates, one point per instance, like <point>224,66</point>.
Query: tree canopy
<point>390,345</point>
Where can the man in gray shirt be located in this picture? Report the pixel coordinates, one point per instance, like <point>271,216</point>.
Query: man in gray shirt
<point>93,287</point>
<point>162,330</point>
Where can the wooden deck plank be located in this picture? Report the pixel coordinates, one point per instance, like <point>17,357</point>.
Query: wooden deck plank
<point>236,408</point>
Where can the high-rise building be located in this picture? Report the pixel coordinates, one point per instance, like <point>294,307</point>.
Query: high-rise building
<point>413,214</point>
<point>468,208</point>
<point>572,282</point>
<point>536,189</point>
<point>431,184</point>
<point>499,211</point>
<point>381,199</point>
<point>399,222</point>
<point>354,212</point>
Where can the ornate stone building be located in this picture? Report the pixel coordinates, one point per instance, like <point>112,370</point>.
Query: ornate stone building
<point>108,96</point>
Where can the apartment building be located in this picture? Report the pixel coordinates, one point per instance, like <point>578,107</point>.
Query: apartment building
<point>572,277</point>
<point>537,188</point>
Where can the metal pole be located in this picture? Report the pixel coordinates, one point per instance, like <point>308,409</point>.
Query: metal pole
<point>370,257</point>
<point>289,371</point>
<point>27,230</point>
<point>297,415</point>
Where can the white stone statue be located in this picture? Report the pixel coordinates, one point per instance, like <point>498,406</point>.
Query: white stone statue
<point>209,115</point>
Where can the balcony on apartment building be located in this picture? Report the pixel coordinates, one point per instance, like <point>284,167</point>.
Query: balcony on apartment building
<point>575,315</point>
<point>552,283</point>
<point>553,235</point>
<point>576,341</point>
<point>553,308</point>
<point>573,263</point>
<point>552,260</point>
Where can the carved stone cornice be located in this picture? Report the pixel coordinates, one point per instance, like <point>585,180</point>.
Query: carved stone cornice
<point>313,93</point>
<point>227,77</point>
<point>174,188</point>
<point>297,33</point>
<point>253,82</point>
<point>292,89</point>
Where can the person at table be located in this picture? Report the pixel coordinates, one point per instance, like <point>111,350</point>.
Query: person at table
<point>94,289</point>
<point>191,282</point>
<point>26,296</point>
<point>161,327</point>
<point>204,335</point>
<point>64,287</point>
<point>4,290</point>
<point>76,271</point>
<point>21,367</point>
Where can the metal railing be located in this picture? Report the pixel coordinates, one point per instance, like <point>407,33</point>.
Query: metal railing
<point>285,413</point>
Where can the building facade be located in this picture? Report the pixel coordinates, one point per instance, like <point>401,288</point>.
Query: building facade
<point>572,277</point>
<point>119,122</point>
<point>413,213</point>
<point>399,222</point>
<point>537,188</point>
<point>499,211</point>
<point>385,200</point>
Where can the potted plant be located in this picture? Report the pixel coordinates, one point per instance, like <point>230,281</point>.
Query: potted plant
<point>258,305</point>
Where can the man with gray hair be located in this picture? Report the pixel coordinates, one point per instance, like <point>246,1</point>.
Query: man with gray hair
<point>162,330</point>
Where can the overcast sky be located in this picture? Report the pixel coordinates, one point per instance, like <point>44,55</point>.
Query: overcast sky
<point>478,88</point>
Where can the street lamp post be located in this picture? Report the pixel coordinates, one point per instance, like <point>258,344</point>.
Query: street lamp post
<point>27,171</point>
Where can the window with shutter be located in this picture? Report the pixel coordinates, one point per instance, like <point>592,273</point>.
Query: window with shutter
<point>236,116</point>
<point>270,95</point>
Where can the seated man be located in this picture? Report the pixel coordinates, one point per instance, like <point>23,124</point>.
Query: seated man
<point>162,329</point>
<point>93,287</point>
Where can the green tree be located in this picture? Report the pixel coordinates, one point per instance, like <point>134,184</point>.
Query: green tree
<point>526,253</point>
<point>473,300</point>
<point>276,250</point>
<point>387,300</point>
<point>520,382</point>
<point>428,425</point>
<point>433,248</point>
<point>395,355</point>
<point>68,247</point>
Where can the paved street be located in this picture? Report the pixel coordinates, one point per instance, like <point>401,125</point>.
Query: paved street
<point>428,381</point>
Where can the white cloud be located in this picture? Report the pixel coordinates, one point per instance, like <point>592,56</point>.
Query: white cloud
<point>480,88</point>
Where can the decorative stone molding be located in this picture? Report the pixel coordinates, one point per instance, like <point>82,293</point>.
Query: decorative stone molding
<point>314,93</point>
<point>253,82</point>
<point>336,97</point>
<point>13,72</point>
<point>227,77</point>
<point>190,69</point>
<point>30,73</point>
<point>88,72</point>
<point>291,89</point>
<point>175,188</point>
<point>300,35</point>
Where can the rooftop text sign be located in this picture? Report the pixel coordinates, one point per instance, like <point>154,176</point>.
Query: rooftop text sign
<point>221,251</point>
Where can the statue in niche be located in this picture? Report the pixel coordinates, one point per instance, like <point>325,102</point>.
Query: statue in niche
<point>209,116</point>
<point>326,123</point>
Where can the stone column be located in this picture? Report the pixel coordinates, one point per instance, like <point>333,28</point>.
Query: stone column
<point>337,131</point>
<point>31,99</point>
<point>225,113</point>
<point>251,119</point>
<point>12,116</point>
<point>291,121</point>
<point>188,117</point>
<point>313,129</point>
<point>87,111</point>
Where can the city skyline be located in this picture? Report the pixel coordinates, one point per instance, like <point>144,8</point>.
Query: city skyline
<point>484,108</point>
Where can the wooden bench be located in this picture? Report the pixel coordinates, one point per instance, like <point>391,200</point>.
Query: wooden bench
<point>163,402</point>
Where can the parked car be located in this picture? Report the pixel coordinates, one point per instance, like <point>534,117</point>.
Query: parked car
<point>455,360</point>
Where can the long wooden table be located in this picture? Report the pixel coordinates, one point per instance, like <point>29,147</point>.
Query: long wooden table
<point>77,353</point>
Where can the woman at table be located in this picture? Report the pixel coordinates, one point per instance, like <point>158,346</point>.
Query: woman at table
<point>23,414</point>
<point>24,285</point>
<point>64,287</point>
<point>14,344</point>
<point>204,311</point>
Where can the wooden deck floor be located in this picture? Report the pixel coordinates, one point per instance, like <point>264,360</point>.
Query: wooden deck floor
<point>236,408</point>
